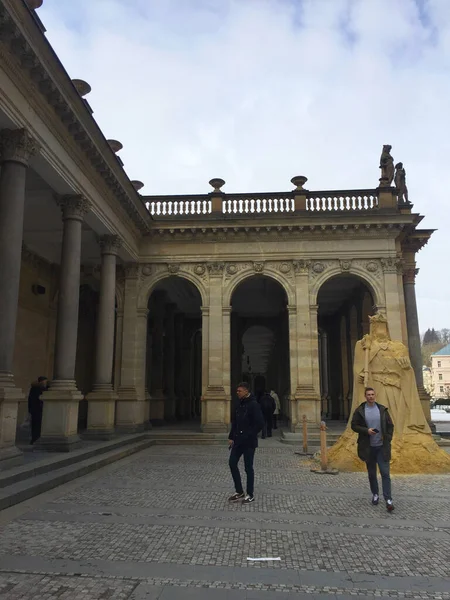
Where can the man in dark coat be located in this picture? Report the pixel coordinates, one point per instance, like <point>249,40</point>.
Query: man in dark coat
<point>268,406</point>
<point>375,429</point>
<point>35,406</point>
<point>247,422</point>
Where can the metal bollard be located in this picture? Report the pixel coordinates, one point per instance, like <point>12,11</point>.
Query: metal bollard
<point>323,446</point>
<point>305,435</point>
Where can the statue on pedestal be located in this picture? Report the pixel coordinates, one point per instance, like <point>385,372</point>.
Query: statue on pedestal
<point>400,183</point>
<point>386,166</point>
<point>384,364</point>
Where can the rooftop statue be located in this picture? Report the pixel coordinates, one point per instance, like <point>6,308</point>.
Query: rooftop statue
<point>400,183</point>
<point>386,166</point>
<point>384,364</point>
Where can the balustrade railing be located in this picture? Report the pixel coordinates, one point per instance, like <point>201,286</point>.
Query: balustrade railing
<point>341,201</point>
<point>261,204</point>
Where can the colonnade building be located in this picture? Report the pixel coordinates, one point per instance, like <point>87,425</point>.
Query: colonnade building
<point>147,310</point>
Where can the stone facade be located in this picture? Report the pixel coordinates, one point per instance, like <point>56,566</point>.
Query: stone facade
<point>137,308</point>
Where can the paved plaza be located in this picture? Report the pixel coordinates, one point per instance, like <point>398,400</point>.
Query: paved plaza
<point>157,525</point>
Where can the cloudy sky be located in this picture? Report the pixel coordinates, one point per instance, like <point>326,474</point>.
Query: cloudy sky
<point>257,91</point>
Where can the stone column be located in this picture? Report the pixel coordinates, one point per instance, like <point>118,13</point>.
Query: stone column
<point>391,268</point>
<point>344,367</point>
<point>303,343</point>
<point>324,372</point>
<point>102,399</point>
<point>157,392</point>
<point>215,401</point>
<point>60,419</point>
<point>180,409</point>
<point>148,374</point>
<point>412,319</point>
<point>17,147</point>
<point>130,407</point>
<point>169,363</point>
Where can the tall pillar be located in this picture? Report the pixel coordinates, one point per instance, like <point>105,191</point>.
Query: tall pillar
<point>17,147</point>
<point>215,401</point>
<point>148,374</point>
<point>344,368</point>
<point>157,392</point>
<point>324,373</point>
<point>181,410</point>
<point>303,350</point>
<point>130,407</point>
<point>412,319</point>
<point>60,419</point>
<point>102,399</point>
<point>169,363</point>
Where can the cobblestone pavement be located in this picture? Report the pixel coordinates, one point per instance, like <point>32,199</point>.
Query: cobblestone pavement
<point>157,525</point>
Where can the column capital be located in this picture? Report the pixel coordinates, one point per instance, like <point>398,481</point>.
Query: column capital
<point>109,244</point>
<point>17,145</point>
<point>205,310</point>
<point>142,312</point>
<point>73,206</point>
<point>409,275</point>
<point>292,309</point>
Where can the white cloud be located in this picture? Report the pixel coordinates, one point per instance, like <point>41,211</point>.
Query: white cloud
<point>256,91</point>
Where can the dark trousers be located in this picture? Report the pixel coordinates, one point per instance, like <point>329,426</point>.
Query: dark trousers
<point>36,423</point>
<point>235,455</point>
<point>267,429</point>
<point>275,425</point>
<point>377,458</point>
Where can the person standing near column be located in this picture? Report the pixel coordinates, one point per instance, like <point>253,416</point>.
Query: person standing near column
<point>277,410</point>
<point>375,429</point>
<point>36,406</point>
<point>247,422</point>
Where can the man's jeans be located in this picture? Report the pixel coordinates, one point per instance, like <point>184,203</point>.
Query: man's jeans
<point>235,455</point>
<point>377,458</point>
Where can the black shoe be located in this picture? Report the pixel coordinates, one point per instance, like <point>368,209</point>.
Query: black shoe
<point>235,497</point>
<point>248,499</point>
<point>375,499</point>
<point>389,505</point>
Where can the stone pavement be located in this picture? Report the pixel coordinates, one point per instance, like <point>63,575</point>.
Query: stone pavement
<point>157,525</point>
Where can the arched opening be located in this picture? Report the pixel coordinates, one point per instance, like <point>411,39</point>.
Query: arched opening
<point>345,303</point>
<point>174,351</point>
<point>260,336</point>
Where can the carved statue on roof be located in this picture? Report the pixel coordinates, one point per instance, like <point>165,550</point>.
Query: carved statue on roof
<point>386,166</point>
<point>400,183</point>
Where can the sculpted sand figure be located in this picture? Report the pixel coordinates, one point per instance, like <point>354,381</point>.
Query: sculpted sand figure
<point>384,364</point>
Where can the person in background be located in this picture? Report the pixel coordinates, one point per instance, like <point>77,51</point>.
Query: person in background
<point>267,404</point>
<point>35,406</point>
<point>247,422</point>
<point>277,410</point>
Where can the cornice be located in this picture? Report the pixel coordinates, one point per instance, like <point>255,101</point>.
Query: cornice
<point>210,233</point>
<point>23,64</point>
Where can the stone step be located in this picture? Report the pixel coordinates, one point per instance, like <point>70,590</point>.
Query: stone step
<point>32,486</point>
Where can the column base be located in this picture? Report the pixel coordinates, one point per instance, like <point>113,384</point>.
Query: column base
<point>157,407</point>
<point>10,457</point>
<point>101,413</point>
<point>216,411</point>
<point>10,396</point>
<point>306,401</point>
<point>130,411</point>
<point>60,418</point>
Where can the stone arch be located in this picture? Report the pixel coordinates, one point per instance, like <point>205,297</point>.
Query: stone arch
<point>269,273</point>
<point>149,285</point>
<point>375,287</point>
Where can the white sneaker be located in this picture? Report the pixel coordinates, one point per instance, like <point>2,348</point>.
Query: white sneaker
<point>375,499</point>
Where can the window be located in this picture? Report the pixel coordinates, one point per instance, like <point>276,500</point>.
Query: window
<point>440,376</point>
<point>439,363</point>
<point>441,388</point>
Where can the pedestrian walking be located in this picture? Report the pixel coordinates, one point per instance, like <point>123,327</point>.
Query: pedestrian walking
<point>375,428</point>
<point>247,422</point>
<point>36,406</point>
<point>277,410</point>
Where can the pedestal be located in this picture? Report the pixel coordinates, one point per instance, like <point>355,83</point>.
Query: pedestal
<point>129,411</point>
<point>101,413</point>
<point>215,410</point>
<point>305,402</point>
<point>10,455</point>
<point>60,419</point>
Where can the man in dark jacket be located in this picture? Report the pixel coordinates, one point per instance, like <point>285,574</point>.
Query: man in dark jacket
<point>268,406</point>
<point>35,406</point>
<point>247,422</point>
<point>374,427</point>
